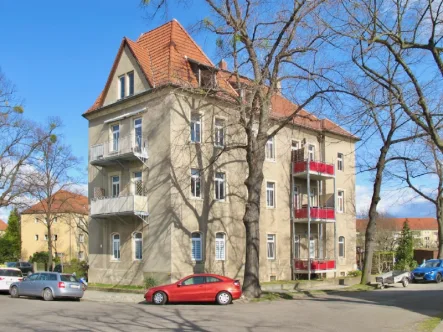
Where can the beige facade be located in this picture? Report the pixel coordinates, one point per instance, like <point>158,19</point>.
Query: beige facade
<point>69,241</point>
<point>161,235</point>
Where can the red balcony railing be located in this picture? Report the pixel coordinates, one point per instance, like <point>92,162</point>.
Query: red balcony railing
<point>316,213</point>
<point>316,264</point>
<point>314,166</point>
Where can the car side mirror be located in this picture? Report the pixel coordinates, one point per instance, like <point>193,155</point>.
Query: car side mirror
<point>179,284</point>
<point>24,279</point>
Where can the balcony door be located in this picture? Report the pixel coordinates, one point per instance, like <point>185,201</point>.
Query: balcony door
<point>137,184</point>
<point>115,132</point>
<point>138,135</point>
<point>312,245</point>
<point>115,186</point>
<point>296,197</point>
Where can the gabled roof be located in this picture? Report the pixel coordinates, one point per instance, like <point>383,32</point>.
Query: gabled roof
<point>165,55</point>
<point>3,226</point>
<point>64,202</point>
<point>396,224</point>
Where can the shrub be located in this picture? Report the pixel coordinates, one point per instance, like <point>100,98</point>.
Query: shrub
<point>150,282</point>
<point>356,273</point>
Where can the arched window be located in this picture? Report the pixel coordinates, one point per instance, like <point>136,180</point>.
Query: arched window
<point>196,246</point>
<point>341,246</point>
<point>220,246</point>
<point>137,240</point>
<point>116,247</point>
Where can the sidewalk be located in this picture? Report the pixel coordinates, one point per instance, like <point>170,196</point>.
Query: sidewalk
<point>439,328</point>
<point>99,296</point>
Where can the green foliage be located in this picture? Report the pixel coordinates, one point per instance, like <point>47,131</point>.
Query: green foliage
<point>79,267</point>
<point>18,109</point>
<point>40,257</point>
<point>207,22</point>
<point>404,254</point>
<point>53,138</point>
<point>355,273</point>
<point>10,243</point>
<point>219,42</point>
<point>150,282</point>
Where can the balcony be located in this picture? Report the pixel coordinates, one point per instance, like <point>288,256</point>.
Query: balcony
<point>317,170</point>
<point>317,214</point>
<point>130,147</point>
<point>121,205</point>
<point>317,265</point>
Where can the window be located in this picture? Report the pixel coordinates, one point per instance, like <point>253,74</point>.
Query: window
<point>220,186</point>
<point>138,184</point>
<point>341,246</point>
<point>219,139</point>
<point>195,183</point>
<point>138,135</point>
<point>220,246</point>
<point>46,237</point>
<point>196,246</point>
<point>116,247</point>
<point>297,246</point>
<point>138,245</point>
<point>311,152</point>
<point>340,161</point>
<point>296,197</point>
<point>270,194</point>
<point>295,145</point>
<point>54,220</point>
<point>270,149</point>
<point>271,246</point>
<point>35,220</point>
<point>195,128</point>
<point>212,279</point>
<point>54,237</point>
<point>115,182</point>
<point>81,255</point>
<point>313,197</point>
<point>36,237</point>
<point>194,281</point>
<point>81,238</point>
<point>340,201</point>
<point>115,129</point>
<point>121,88</point>
<point>131,83</point>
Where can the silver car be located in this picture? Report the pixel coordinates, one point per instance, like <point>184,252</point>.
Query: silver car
<point>49,285</point>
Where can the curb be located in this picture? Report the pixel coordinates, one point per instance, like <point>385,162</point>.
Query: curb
<point>117,290</point>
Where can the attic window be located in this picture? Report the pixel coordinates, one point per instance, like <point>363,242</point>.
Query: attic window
<point>205,76</point>
<point>126,85</point>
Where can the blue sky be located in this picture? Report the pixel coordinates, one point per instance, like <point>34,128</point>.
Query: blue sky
<point>59,53</point>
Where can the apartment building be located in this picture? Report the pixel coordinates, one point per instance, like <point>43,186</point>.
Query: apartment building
<point>162,205</point>
<point>69,227</point>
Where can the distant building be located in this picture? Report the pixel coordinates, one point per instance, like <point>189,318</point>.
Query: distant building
<point>425,230</point>
<point>3,227</point>
<point>69,230</point>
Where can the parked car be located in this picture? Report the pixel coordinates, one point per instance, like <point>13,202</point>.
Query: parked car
<point>197,288</point>
<point>431,270</point>
<point>49,285</point>
<point>25,267</point>
<point>8,275</point>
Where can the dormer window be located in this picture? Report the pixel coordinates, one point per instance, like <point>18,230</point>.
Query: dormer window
<point>126,85</point>
<point>205,75</point>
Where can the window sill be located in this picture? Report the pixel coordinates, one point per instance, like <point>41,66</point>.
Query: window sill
<point>271,160</point>
<point>115,261</point>
<point>196,198</point>
<point>270,208</point>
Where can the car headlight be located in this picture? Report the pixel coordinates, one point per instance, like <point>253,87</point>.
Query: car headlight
<point>430,272</point>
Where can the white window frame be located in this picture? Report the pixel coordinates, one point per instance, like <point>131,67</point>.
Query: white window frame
<point>340,207</point>
<point>196,127</point>
<point>271,244</point>
<point>54,237</point>
<point>114,141</point>
<point>271,191</point>
<point>135,241</point>
<point>120,83</point>
<point>219,132</point>
<point>220,246</point>
<point>134,178</point>
<point>218,183</point>
<point>313,197</point>
<point>35,220</point>
<point>194,180</point>
<point>311,153</point>
<point>138,139</point>
<point>342,243</point>
<point>340,162</point>
<point>111,179</point>
<point>113,246</point>
<point>81,255</point>
<point>36,237</point>
<point>46,237</point>
<point>81,238</point>
<point>128,74</point>
<point>297,246</point>
<point>270,150</point>
<point>297,143</point>
<point>296,195</point>
<point>196,241</point>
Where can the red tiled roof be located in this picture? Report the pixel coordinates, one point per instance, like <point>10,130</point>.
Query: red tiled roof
<point>396,224</point>
<point>64,202</point>
<point>164,56</point>
<point>3,226</point>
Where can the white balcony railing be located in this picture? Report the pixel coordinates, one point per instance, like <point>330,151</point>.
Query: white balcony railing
<point>130,144</point>
<point>132,204</point>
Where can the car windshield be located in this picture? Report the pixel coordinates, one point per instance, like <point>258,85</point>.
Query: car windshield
<point>432,264</point>
<point>11,264</point>
<point>68,277</point>
<point>10,273</point>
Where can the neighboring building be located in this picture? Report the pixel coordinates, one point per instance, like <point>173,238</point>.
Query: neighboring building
<point>424,230</point>
<point>3,227</point>
<point>69,228</point>
<point>159,209</point>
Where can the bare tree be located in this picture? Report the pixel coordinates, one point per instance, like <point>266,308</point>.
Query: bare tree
<point>272,49</point>
<point>53,177</point>
<point>19,140</point>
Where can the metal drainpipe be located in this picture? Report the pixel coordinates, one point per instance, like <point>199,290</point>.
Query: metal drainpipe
<point>309,217</point>
<point>292,227</point>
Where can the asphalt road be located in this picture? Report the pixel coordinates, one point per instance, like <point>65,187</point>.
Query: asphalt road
<point>394,309</point>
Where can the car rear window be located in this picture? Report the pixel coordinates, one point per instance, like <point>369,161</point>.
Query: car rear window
<point>11,264</point>
<point>10,273</point>
<point>68,277</point>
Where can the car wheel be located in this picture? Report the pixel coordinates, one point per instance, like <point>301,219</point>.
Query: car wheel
<point>47,294</point>
<point>405,282</point>
<point>14,292</point>
<point>159,298</point>
<point>438,278</point>
<point>224,298</point>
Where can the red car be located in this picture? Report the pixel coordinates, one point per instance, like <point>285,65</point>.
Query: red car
<point>197,288</point>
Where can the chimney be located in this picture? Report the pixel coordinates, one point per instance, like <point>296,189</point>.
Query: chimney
<point>223,65</point>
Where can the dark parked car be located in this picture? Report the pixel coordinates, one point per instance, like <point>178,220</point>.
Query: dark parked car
<point>25,267</point>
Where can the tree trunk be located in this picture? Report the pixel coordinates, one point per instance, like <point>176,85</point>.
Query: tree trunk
<point>372,216</point>
<point>439,208</point>
<point>48,225</point>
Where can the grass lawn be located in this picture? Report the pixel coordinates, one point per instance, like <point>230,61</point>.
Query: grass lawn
<point>429,324</point>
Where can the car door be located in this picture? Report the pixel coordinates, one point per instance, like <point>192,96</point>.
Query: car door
<point>26,286</point>
<point>39,284</point>
<point>192,289</point>
<point>214,285</point>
